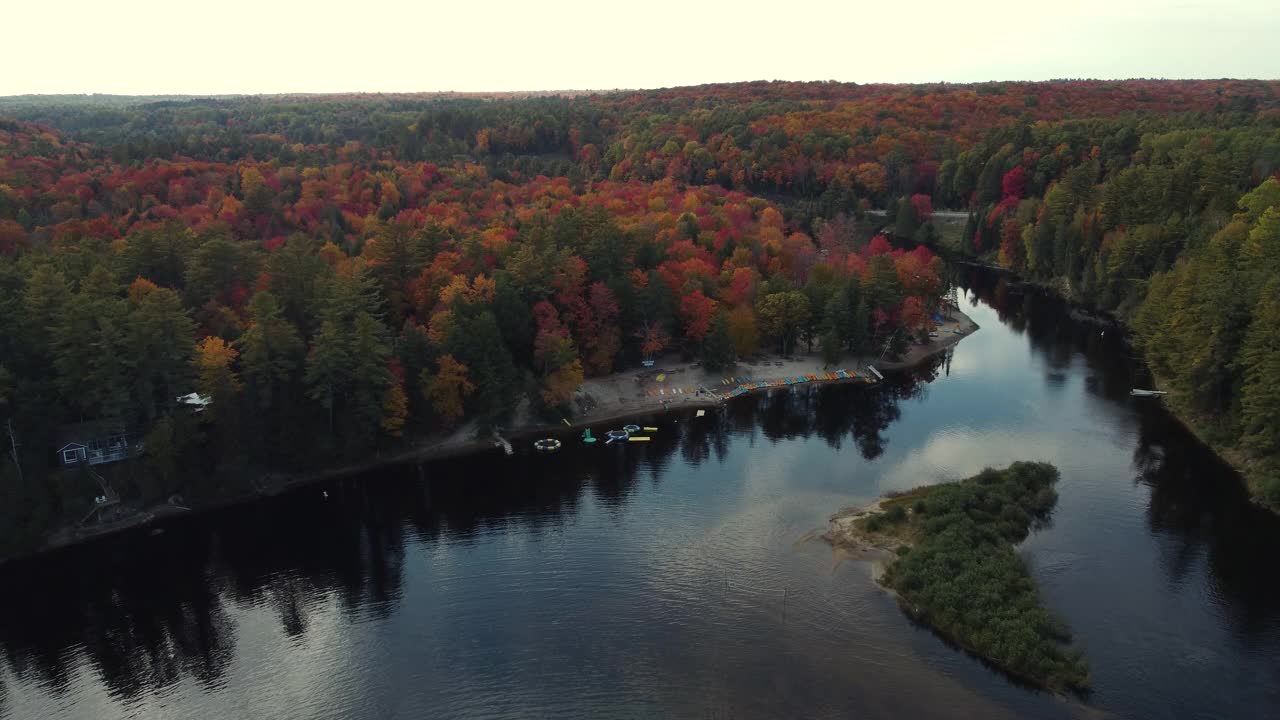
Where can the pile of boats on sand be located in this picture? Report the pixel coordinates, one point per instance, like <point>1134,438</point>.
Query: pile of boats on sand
<point>630,433</point>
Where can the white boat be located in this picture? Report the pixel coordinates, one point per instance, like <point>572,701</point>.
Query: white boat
<point>1147,393</point>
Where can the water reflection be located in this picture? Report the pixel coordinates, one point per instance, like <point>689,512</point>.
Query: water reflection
<point>1195,501</point>
<point>1204,513</point>
<point>143,612</point>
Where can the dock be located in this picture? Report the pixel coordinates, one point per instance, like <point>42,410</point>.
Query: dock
<point>502,442</point>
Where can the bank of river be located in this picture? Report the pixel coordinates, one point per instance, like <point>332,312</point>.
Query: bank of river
<point>613,398</point>
<point>1251,467</point>
<point>669,579</point>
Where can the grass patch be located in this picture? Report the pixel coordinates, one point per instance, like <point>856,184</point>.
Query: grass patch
<point>961,575</point>
<point>950,232</point>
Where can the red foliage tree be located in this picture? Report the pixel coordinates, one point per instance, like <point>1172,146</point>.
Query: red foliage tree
<point>924,207</point>
<point>697,310</point>
<point>1014,183</point>
<point>879,245</point>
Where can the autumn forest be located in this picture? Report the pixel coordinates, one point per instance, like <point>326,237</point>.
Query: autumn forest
<point>342,275</point>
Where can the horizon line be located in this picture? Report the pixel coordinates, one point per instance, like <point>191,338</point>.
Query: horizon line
<point>601,91</point>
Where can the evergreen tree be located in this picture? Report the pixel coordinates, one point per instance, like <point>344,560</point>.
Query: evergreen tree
<point>43,302</point>
<point>157,254</point>
<point>905,222</point>
<point>831,346</point>
<point>270,351</point>
<point>392,260</point>
<point>370,376</point>
<point>295,274</point>
<point>1260,397</point>
<point>219,268</point>
<point>329,367</point>
<point>717,348</point>
<point>89,344</point>
<point>161,340</point>
<point>476,342</point>
<point>837,325</point>
<point>515,319</point>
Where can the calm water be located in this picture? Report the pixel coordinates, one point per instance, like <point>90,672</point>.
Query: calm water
<point>671,580</point>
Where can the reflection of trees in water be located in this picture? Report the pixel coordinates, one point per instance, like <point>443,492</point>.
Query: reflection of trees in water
<point>144,612</point>
<point>306,545</point>
<point>1054,335</point>
<point>141,624</point>
<point>833,413</point>
<point>695,443</point>
<point>1200,508</point>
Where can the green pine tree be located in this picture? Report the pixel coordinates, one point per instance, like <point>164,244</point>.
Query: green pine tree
<point>717,347</point>
<point>1260,356</point>
<point>161,340</point>
<point>270,351</point>
<point>329,367</point>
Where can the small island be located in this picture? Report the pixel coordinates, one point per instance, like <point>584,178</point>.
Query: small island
<point>954,568</point>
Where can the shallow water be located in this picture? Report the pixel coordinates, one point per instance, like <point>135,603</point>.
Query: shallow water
<point>673,579</point>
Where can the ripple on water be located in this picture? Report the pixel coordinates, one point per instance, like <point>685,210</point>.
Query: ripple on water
<point>670,581</point>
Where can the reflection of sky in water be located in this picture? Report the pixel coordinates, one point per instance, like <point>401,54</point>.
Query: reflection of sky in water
<point>995,407</point>
<point>657,588</point>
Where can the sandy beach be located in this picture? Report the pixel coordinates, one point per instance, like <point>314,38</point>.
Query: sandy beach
<point>673,384</point>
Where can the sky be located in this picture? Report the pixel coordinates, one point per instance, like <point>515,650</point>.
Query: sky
<point>284,46</point>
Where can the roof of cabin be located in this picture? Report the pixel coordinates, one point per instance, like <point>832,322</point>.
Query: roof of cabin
<point>84,432</point>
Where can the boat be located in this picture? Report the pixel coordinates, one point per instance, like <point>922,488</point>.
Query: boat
<point>1147,393</point>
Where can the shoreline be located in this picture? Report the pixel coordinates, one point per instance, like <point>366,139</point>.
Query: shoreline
<point>464,441</point>
<point>1248,467</point>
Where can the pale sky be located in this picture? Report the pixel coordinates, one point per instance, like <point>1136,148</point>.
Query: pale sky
<point>280,46</point>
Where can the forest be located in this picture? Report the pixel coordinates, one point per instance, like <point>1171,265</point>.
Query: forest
<point>343,274</point>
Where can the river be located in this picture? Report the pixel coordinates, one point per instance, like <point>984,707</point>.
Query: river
<point>674,579</point>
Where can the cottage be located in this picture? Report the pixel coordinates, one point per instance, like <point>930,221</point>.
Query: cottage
<point>73,452</point>
<point>106,447</point>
